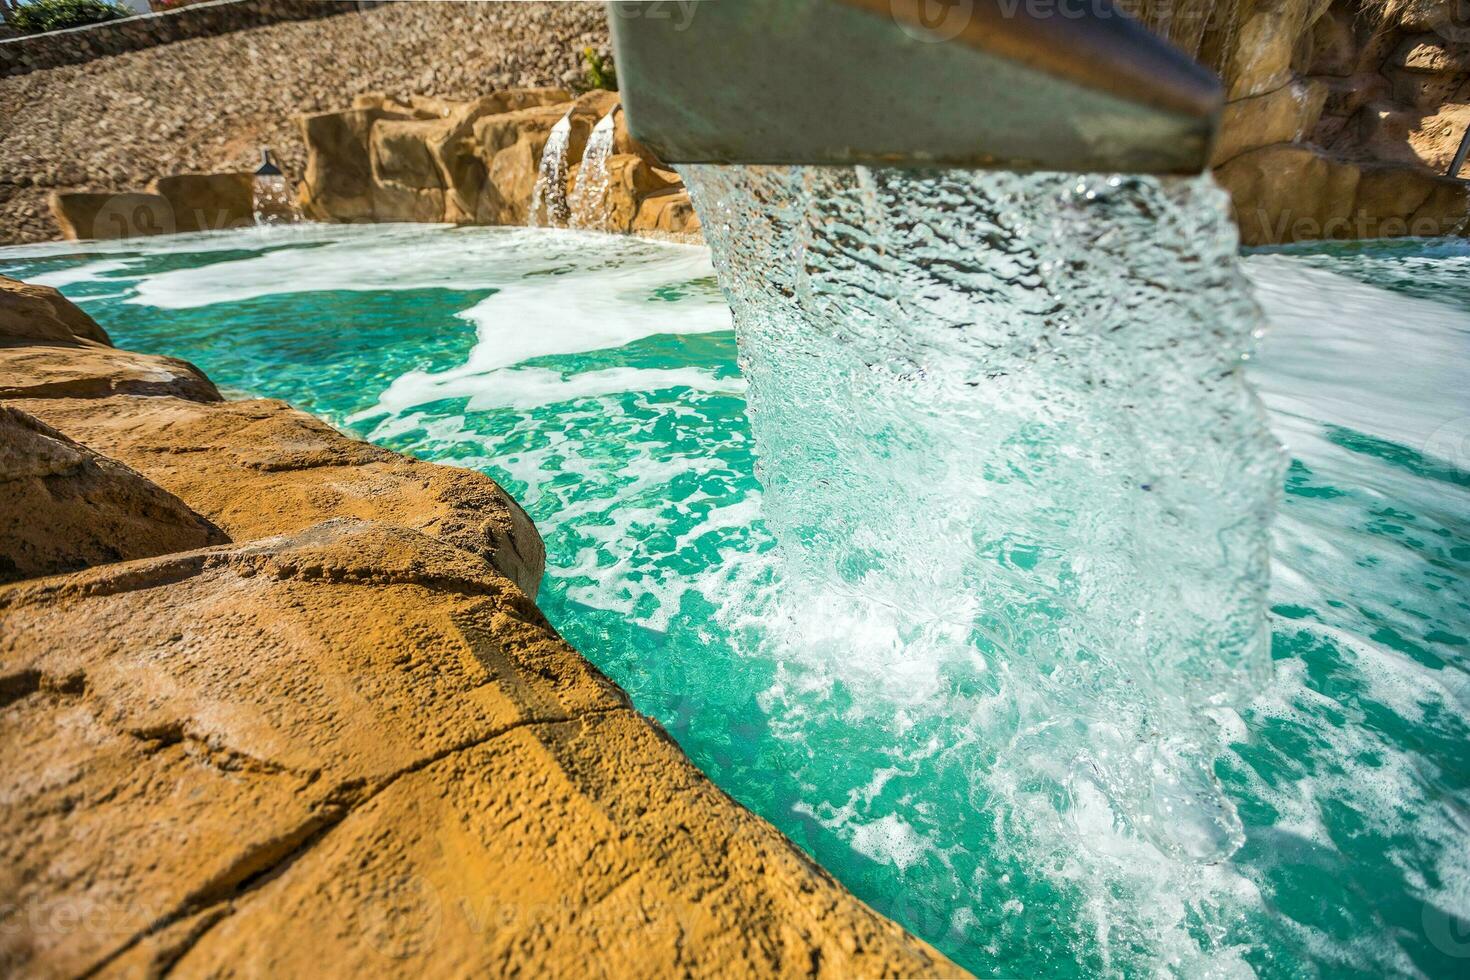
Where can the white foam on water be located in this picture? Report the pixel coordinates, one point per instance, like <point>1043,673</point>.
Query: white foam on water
<point>574,313</point>
<point>189,242</point>
<point>73,275</point>
<point>527,388</point>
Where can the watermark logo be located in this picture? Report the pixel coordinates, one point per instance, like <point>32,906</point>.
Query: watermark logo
<point>1451,442</point>
<point>932,21</point>
<point>406,922</point>
<point>1448,933</point>
<point>679,12</point>
<point>133,216</point>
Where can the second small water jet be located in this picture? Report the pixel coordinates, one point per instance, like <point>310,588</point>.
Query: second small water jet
<point>588,203</point>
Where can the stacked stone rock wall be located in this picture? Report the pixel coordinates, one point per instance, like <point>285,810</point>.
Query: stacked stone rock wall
<point>1341,115</point>
<point>476,162</point>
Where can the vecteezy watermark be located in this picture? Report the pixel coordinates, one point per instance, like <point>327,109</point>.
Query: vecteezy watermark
<point>1262,225</point>
<point>133,216</point>
<point>932,20</point>
<point>944,20</point>
<point>1451,443</point>
<point>680,12</point>
<point>141,214</point>
<point>1446,931</point>
<point>407,921</point>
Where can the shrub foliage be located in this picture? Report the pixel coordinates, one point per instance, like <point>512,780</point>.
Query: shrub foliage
<point>39,16</point>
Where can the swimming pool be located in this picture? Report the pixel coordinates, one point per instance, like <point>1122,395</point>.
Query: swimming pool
<point>596,379</point>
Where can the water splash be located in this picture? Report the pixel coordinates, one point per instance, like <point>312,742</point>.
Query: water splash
<point>589,197</point>
<point>273,203</point>
<point>549,207</point>
<point>1001,421</point>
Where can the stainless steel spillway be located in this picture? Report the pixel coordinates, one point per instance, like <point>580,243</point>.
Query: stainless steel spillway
<point>1015,84</point>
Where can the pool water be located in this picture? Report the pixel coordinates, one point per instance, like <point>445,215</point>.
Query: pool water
<point>596,379</point>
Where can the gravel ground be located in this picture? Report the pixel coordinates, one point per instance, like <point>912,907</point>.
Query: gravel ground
<point>209,104</point>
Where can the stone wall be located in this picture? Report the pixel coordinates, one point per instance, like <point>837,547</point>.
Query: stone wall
<point>476,162</point>
<point>34,52</point>
<point>1341,115</point>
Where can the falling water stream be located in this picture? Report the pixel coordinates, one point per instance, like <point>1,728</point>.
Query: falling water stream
<point>1001,421</point>
<point>272,200</point>
<point>588,204</point>
<point>549,207</point>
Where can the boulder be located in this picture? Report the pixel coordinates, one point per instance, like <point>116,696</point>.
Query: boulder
<point>1333,45</point>
<point>208,202</point>
<point>90,370</point>
<point>1286,115</point>
<point>407,183</point>
<point>65,508</point>
<point>1432,54</point>
<point>470,162</point>
<point>1289,193</point>
<point>89,215</point>
<point>1260,59</point>
<point>40,314</point>
<point>667,212</point>
<point>338,183</point>
<point>509,147</point>
<point>260,468</point>
<point>358,750</point>
<point>630,180</point>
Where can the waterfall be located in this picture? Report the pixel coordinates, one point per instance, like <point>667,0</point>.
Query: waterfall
<point>1001,421</point>
<point>549,197</point>
<point>589,197</point>
<point>272,201</point>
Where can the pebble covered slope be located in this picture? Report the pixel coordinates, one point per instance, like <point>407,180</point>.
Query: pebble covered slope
<point>209,104</point>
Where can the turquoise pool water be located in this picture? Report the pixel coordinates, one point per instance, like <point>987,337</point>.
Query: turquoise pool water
<point>596,379</point>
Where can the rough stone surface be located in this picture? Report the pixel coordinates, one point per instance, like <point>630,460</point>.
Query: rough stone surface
<point>1364,88</point>
<point>65,508</point>
<point>260,468</point>
<point>667,212</point>
<point>106,215</point>
<point>360,750</point>
<point>474,162</point>
<point>33,314</point>
<point>208,202</point>
<point>90,370</point>
<point>1287,193</point>
<point>1285,115</point>
<point>350,745</point>
<point>207,105</point>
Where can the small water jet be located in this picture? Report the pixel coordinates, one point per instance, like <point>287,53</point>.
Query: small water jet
<point>549,208</point>
<point>588,205</point>
<point>272,202</point>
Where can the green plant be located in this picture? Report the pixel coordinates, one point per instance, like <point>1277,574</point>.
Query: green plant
<point>600,72</point>
<point>39,16</point>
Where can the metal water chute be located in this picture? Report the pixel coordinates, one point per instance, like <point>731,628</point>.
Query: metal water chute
<point>1072,85</point>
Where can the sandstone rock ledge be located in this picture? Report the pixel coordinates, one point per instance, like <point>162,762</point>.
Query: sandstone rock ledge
<point>344,741</point>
